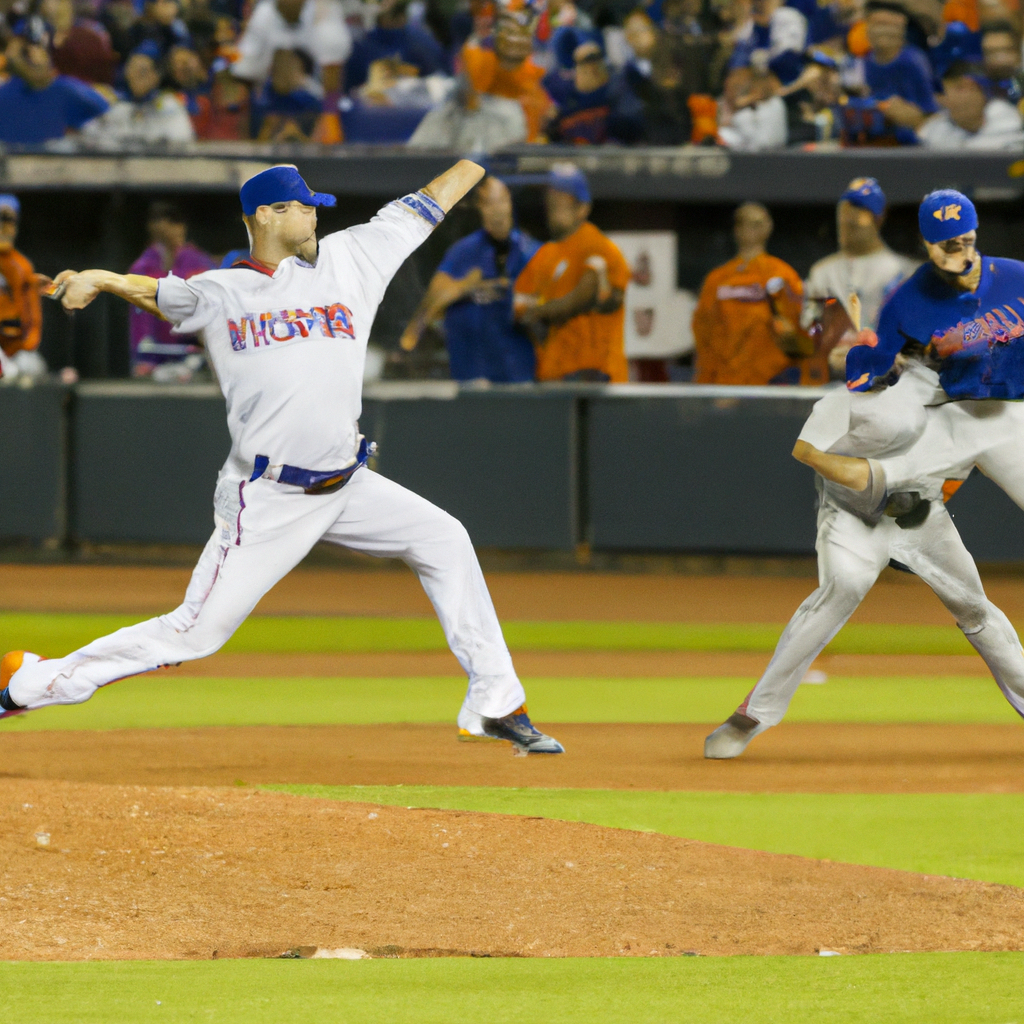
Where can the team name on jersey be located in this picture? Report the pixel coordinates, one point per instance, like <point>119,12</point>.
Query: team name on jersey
<point>265,330</point>
<point>996,327</point>
<point>741,292</point>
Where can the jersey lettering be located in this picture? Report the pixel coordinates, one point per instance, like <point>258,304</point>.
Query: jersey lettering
<point>741,293</point>
<point>262,330</point>
<point>999,326</point>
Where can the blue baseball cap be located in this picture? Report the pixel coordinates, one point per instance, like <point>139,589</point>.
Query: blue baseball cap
<point>946,214</point>
<point>9,202</point>
<point>569,178</point>
<point>279,184</point>
<point>867,193</point>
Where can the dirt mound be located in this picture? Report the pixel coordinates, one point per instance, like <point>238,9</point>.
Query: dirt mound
<point>796,757</point>
<point>111,872</point>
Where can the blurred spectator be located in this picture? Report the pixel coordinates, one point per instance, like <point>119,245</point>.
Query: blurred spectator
<point>772,39</point>
<point>286,107</point>
<point>894,76</point>
<point>570,295</point>
<point>976,13</point>
<point>473,289</point>
<point>864,265</point>
<point>146,115</point>
<point>79,47</point>
<point>824,23</point>
<point>746,324</point>
<point>503,67</point>
<point>37,104</point>
<point>160,27</point>
<point>814,101</point>
<point>752,118</point>
<point>20,313</point>
<point>155,351</point>
<point>1001,60</point>
<point>561,27</point>
<point>972,119</point>
<point>394,37</point>
<point>594,109</point>
<point>316,27</point>
<point>952,42</point>
<point>663,80</point>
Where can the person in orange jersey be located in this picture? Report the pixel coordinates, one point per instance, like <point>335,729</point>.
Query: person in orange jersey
<point>746,324</point>
<point>503,66</point>
<point>569,296</point>
<point>20,313</point>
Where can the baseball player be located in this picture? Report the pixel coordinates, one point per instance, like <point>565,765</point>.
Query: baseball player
<point>285,332</point>
<point>957,311</point>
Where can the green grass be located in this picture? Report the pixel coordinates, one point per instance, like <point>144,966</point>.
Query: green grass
<point>907,988</point>
<point>966,835</point>
<point>160,700</point>
<point>53,635</point>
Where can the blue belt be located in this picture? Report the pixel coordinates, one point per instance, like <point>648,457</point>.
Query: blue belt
<point>313,481</point>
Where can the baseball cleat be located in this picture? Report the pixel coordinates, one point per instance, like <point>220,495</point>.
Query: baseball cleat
<point>731,738</point>
<point>521,732</point>
<point>11,662</point>
<point>471,728</point>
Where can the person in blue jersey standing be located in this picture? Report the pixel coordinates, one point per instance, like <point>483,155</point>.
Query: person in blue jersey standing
<point>963,313</point>
<point>472,289</point>
<point>887,447</point>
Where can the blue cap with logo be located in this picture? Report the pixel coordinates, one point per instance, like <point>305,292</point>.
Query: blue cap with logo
<point>867,193</point>
<point>569,178</point>
<point>9,202</point>
<point>279,184</point>
<point>946,214</point>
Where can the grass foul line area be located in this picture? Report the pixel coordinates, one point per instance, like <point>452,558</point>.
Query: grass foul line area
<point>921,988</point>
<point>54,635</point>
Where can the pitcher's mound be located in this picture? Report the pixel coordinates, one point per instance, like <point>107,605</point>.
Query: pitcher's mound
<point>93,871</point>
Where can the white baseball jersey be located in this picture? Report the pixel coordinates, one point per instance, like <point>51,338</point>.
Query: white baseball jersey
<point>873,277</point>
<point>288,348</point>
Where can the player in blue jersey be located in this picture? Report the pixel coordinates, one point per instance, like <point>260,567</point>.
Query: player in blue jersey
<point>962,314</point>
<point>886,446</point>
<point>472,288</point>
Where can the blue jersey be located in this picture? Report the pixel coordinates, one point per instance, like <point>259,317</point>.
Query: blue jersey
<point>977,336</point>
<point>481,337</point>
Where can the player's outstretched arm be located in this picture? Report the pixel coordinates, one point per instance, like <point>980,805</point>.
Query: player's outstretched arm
<point>840,469</point>
<point>78,289</point>
<point>448,188</point>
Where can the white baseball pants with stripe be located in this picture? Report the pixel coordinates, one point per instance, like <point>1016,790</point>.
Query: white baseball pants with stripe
<point>275,527</point>
<point>851,555</point>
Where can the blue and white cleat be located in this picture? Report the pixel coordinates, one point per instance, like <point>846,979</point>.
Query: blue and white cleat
<point>521,733</point>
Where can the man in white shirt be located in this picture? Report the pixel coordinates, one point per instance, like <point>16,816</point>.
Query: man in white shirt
<point>864,266</point>
<point>315,26</point>
<point>285,333</point>
<point>970,118</point>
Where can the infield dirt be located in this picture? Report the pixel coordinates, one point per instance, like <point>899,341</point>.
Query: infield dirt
<point>148,873</point>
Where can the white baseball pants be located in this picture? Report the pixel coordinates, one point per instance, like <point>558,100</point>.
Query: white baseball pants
<point>851,554</point>
<point>276,526</point>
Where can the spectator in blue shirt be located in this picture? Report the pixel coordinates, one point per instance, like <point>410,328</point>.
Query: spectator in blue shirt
<point>286,107</point>
<point>473,290</point>
<point>896,77</point>
<point>37,104</point>
<point>1001,60</point>
<point>396,38</point>
<point>160,26</point>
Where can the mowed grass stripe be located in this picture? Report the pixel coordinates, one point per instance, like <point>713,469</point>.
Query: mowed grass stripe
<point>907,988</point>
<point>164,701</point>
<point>53,635</point>
<point>965,835</point>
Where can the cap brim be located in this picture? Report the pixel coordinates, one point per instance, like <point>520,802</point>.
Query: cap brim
<point>323,199</point>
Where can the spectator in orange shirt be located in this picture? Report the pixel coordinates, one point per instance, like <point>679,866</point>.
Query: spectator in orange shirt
<point>21,315</point>
<point>745,326</point>
<point>503,67</point>
<point>569,296</point>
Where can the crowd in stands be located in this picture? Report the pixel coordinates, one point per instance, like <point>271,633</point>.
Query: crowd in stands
<point>474,75</point>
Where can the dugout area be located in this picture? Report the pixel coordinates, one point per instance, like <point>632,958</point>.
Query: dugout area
<point>302,794</point>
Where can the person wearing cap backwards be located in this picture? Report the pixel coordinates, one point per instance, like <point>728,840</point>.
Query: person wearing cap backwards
<point>285,331</point>
<point>864,266</point>
<point>20,314</point>
<point>570,295</point>
<point>958,321</point>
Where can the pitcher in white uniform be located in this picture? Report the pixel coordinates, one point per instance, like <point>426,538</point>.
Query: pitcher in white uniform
<point>285,332</point>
